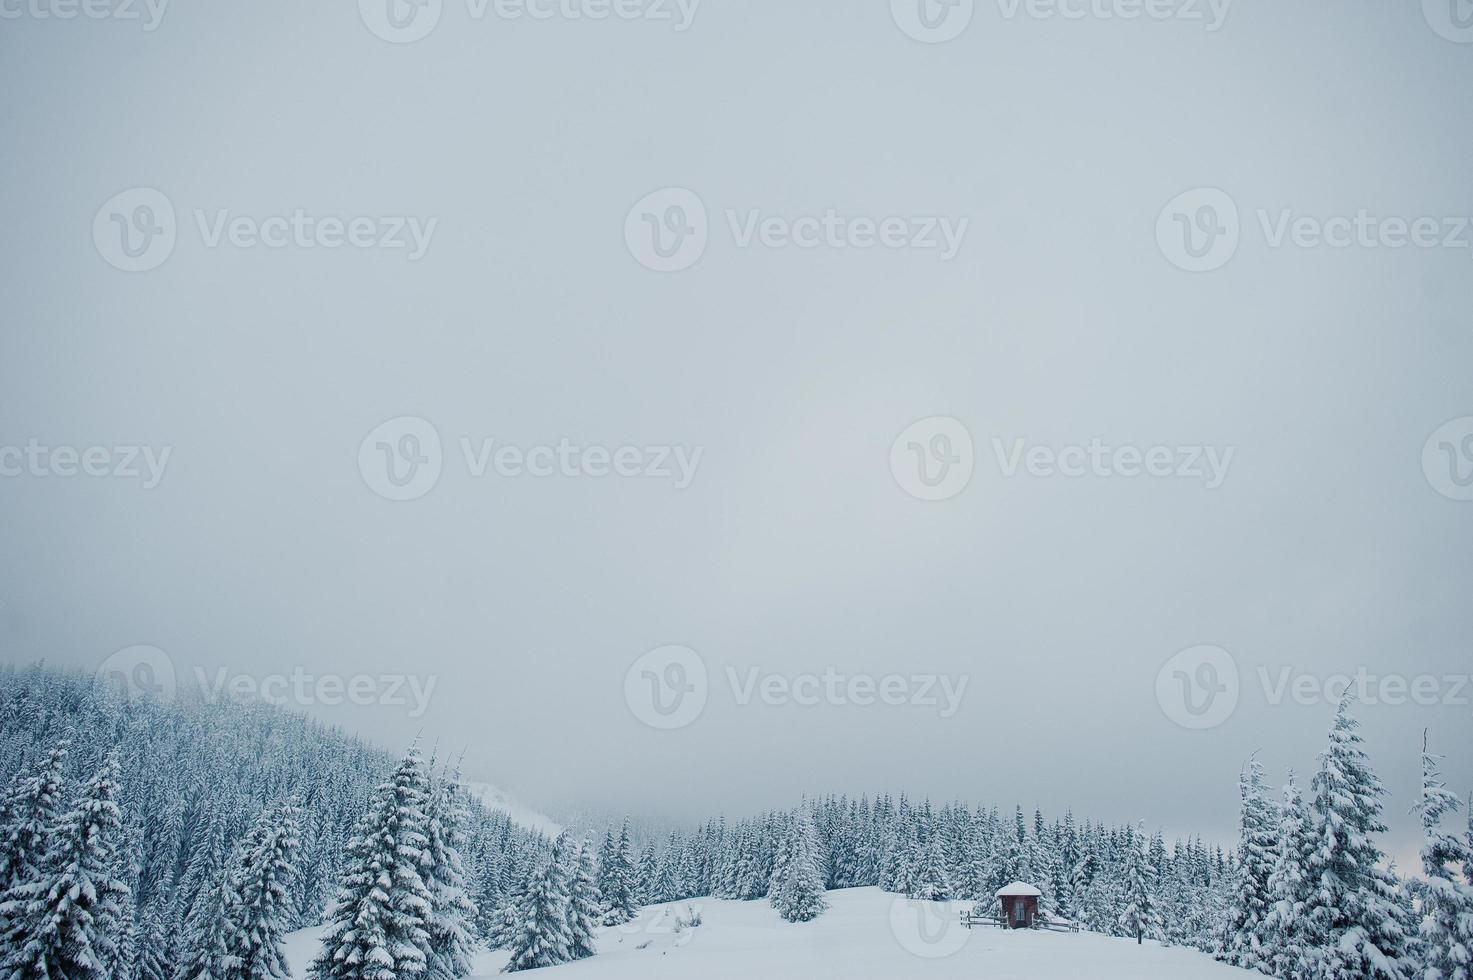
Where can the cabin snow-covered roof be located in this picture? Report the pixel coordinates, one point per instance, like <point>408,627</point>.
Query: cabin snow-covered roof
<point>1018,889</point>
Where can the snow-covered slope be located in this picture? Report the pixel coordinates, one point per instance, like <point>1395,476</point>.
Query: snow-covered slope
<point>523,816</point>
<point>865,933</point>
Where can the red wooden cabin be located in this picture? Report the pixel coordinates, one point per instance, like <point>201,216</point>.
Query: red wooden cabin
<point>1019,905</point>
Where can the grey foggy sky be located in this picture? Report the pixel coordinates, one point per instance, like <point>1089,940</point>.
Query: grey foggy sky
<point>528,321</point>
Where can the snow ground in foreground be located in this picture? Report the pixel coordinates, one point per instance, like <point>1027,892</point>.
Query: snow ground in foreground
<point>865,933</point>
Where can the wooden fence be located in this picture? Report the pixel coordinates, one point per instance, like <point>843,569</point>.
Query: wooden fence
<point>971,917</point>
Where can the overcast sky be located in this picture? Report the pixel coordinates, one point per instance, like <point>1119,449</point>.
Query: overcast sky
<point>796,542</point>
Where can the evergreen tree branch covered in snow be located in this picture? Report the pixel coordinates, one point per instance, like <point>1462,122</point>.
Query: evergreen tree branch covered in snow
<point>64,914</point>
<point>1447,902</point>
<point>380,925</point>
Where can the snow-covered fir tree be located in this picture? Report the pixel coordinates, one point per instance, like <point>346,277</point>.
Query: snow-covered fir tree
<point>1282,930</point>
<point>584,906</point>
<point>153,959</point>
<point>379,926</point>
<point>28,811</point>
<point>1446,902</point>
<point>646,876</point>
<point>1242,942</point>
<point>929,880</point>
<point>1139,917</point>
<point>539,922</point>
<point>797,885</point>
<point>62,919</point>
<point>205,867</point>
<point>616,880</point>
<point>259,895</point>
<point>204,947</point>
<point>1355,921</point>
<point>452,916</point>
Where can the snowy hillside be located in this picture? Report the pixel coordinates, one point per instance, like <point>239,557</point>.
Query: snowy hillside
<point>523,816</point>
<point>865,933</point>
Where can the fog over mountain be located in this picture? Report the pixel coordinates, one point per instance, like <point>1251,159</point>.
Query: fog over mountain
<point>1047,415</point>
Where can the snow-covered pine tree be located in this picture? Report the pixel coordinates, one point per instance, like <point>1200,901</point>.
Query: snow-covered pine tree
<point>538,923</point>
<point>28,812</point>
<point>258,909</point>
<point>63,922</point>
<point>378,926</point>
<point>1139,917</point>
<point>1355,919</point>
<point>125,946</point>
<point>616,885</point>
<point>205,865</point>
<point>204,944</point>
<point>153,958</point>
<point>796,889</point>
<point>452,915</point>
<point>1282,936</point>
<point>667,885</point>
<point>1257,843</point>
<point>929,880</point>
<point>1080,878</point>
<point>1447,903</point>
<point>647,876</point>
<point>584,908</point>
